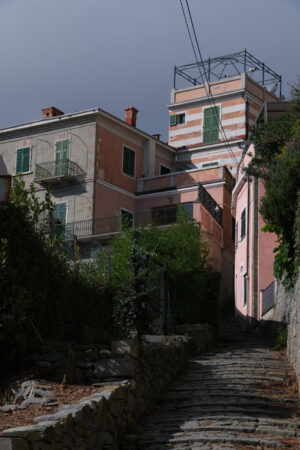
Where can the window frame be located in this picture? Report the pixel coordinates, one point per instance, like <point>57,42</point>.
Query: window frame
<point>217,105</point>
<point>243,223</point>
<point>177,115</point>
<point>67,206</point>
<point>134,172</point>
<point>245,289</point>
<point>217,161</point>
<point>61,140</point>
<point>29,160</point>
<point>128,212</point>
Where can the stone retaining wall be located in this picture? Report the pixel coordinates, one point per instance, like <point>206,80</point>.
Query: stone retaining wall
<point>112,416</point>
<point>287,311</point>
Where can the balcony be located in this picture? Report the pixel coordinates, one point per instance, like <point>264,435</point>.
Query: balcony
<point>53,172</point>
<point>108,226</point>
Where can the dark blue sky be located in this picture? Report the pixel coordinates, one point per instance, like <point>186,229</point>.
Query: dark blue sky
<point>80,54</point>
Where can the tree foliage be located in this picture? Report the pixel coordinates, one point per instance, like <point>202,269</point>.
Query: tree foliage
<point>41,296</point>
<point>181,248</point>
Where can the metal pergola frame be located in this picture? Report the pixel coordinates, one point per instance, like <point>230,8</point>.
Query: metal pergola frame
<point>215,69</point>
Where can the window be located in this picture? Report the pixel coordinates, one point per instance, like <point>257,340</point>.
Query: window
<point>128,161</point>
<point>23,157</point>
<point>211,125</point>
<point>236,233</point>
<point>210,164</point>
<point>61,157</point>
<point>233,227</point>
<point>126,218</point>
<point>163,170</point>
<point>59,219</point>
<point>60,213</point>
<point>243,223</point>
<point>245,290</point>
<point>177,119</point>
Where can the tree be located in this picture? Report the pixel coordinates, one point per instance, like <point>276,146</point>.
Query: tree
<point>137,261</point>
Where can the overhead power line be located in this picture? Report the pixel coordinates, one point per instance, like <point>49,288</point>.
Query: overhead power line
<point>199,59</point>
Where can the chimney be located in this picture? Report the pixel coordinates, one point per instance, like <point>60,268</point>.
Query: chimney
<point>51,112</point>
<point>130,115</point>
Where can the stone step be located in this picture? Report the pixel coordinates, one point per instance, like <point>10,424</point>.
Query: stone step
<point>254,411</point>
<point>178,396</point>
<point>253,379</point>
<point>229,419</point>
<point>239,428</point>
<point>213,438</point>
<point>235,397</point>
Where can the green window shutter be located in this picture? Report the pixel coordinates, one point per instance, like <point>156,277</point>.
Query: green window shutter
<point>215,124</point>
<point>65,145</point>
<point>129,161</point>
<point>19,161</point>
<point>23,156</point>
<point>26,154</point>
<point>60,213</point>
<point>211,125</point>
<point>173,120</point>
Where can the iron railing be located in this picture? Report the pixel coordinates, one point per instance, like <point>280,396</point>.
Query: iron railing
<point>52,170</point>
<point>214,69</point>
<point>268,296</point>
<point>206,199</point>
<point>115,224</point>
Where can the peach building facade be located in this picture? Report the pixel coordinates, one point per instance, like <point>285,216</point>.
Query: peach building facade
<point>200,143</point>
<point>102,169</point>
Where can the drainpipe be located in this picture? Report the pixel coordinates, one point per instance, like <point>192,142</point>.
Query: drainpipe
<point>255,251</point>
<point>246,274</point>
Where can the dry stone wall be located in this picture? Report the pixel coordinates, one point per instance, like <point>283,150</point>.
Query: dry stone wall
<point>111,416</point>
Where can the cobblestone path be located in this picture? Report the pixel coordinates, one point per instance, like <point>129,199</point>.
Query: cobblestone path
<point>241,396</point>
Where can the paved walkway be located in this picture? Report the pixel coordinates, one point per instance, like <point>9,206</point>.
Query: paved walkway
<point>241,396</point>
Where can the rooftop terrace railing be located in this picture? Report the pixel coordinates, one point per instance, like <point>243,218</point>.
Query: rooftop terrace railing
<point>115,224</point>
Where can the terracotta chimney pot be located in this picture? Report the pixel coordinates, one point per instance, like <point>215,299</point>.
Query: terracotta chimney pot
<point>130,115</point>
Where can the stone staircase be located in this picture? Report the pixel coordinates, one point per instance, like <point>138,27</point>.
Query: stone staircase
<point>241,396</point>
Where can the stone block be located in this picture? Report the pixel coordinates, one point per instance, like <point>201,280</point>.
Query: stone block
<point>125,347</point>
<point>154,339</point>
<point>13,444</point>
<point>31,432</point>
<point>114,367</point>
<point>7,408</point>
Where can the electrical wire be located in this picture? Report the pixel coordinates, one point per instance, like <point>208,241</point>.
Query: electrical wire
<point>209,93</point>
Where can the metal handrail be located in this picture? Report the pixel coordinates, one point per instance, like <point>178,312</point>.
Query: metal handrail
<point>116,224</point>
<point>52,169</point>
<point>210,204</point>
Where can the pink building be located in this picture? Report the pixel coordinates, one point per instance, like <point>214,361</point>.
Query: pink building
<point>254,282</point>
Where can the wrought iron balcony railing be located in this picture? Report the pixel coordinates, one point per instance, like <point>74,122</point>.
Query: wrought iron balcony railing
<point>115,224</point>
<point>57,172</point>
<point>210,204</point>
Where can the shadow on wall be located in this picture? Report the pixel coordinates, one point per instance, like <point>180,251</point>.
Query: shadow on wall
<point>268,329</point>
